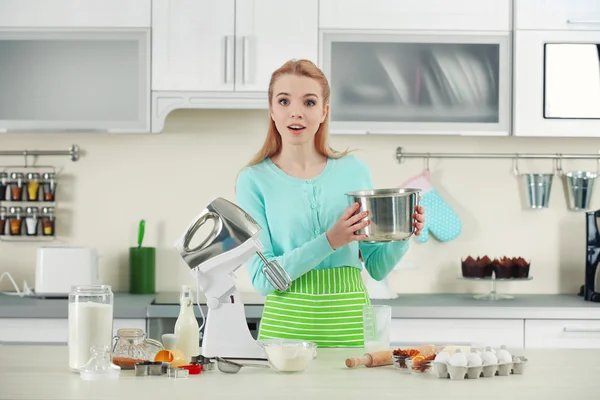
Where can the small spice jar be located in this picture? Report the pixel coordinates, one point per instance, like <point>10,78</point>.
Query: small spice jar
<point>3,185</point>
<point>15,221</point>
<point>132,347</point>
<point>32,221</point>
<point>49,186</point>
<point>33,186</point>
<point>2,220</point>
<point>48,221</point>
<point>16,186</point>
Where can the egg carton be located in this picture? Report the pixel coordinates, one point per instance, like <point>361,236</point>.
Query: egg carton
<point>459,366</point>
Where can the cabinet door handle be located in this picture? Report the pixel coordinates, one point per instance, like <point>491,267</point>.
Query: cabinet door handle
<point>245,58</point>
<point>581,330</point>
<point>226,77</point>
<point>583,21</point>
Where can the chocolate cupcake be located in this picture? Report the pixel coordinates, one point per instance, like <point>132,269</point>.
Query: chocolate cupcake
<point>503,268</point>
<point>520,268</point>
<point>486,267</point>
<point>469,267</point>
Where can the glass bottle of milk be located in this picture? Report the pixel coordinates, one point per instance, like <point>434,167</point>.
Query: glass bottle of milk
<point>187,331</point>
<point>90,322</point>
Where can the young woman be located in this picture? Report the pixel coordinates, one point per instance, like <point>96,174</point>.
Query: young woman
<point>295,190</point>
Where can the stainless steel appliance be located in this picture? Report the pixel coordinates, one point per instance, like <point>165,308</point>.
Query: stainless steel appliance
<point>591,288</point>
<point>390,212</point>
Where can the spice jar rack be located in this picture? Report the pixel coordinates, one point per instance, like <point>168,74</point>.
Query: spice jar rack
<point>27,205</point>
<point>28,198</point>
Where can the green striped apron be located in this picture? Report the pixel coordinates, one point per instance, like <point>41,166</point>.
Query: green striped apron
<point>323,306</point>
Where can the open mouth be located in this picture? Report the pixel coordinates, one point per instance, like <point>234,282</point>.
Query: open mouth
<point>296,128</point>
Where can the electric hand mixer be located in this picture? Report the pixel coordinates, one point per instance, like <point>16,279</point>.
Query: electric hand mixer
<point>232,241</point>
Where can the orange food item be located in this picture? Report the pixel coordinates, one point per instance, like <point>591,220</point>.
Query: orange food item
<point>418,358</point>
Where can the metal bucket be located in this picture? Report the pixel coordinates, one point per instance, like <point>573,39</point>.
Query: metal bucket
<point>390,212</point>
<point>579,187</point>
<point>538,188</point>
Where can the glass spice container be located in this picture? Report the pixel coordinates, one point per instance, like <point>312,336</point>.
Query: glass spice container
<point>33,186</point>
<point>31,221</point>
<point>3,185</point>
<point>16,186</point>
<point>49,186</point>
<point>48,221</point>
<point>132,347</point>
<point>15,221</point>
<point>2,220</point>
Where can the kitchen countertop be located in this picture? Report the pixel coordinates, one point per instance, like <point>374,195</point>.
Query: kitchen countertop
<point>524,306</point>
<point>38,372</point>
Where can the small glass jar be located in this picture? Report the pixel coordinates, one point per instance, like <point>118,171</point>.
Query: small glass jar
<point>3,185</point>
<point>3,219</point>
<point>49,186</point>
<point>32,221</point>
<point>90,322</point>
<point>33,186</point>
<point>48,221</point>
<point>15,221</point>
<point>16,186</point>
<point>133,347</point>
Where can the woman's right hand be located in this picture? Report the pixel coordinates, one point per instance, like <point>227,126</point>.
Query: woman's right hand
<point>343,232</point>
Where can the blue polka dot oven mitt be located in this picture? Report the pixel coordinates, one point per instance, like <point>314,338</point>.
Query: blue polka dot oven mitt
<point>440,220</point>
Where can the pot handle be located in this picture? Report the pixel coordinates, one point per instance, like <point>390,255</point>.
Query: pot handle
<point>418,202</point>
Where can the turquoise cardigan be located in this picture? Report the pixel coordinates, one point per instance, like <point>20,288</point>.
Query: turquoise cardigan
<point>295,214</point>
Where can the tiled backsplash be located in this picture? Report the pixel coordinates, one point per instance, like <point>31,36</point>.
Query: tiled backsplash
<point>168,178</point>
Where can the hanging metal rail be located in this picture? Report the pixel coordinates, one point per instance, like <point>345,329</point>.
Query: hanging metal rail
<point>73,152</point>
<point>400,155</point>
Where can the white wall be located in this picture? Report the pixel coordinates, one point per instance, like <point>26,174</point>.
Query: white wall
<point>168,178</point>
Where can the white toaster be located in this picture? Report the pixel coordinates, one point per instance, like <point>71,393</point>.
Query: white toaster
<point>59,268</point>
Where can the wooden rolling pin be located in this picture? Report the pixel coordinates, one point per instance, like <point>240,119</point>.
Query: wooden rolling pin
<point>369,360</point>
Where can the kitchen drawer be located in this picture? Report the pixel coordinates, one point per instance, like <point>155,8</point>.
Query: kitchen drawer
<point>473,332</point>
<point>50,330</point>
<point>562,334</point>
<point>557,14</point>
<point>437,15</point>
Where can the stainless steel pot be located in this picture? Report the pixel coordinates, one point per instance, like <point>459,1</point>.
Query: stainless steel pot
<point>390,212</point>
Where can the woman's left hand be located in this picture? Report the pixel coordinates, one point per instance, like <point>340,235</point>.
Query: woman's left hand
<point>419,216</point>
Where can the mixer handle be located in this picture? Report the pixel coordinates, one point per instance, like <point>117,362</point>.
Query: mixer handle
<point>196,225</point>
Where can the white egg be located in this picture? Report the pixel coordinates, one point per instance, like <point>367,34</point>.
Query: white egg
<point>473,360</point>
<point>504,357</point>
<point>458,359</point>
<point>488,357</point>
<point>442,357</point>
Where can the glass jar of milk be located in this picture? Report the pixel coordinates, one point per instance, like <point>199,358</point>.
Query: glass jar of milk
<point>90,322</point>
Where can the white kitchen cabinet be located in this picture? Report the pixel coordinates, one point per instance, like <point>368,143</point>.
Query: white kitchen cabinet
<point>556,83</point>
<point>228,45</point>
<point>269,33</point>
<point>562,334</point>
<point>209,54</point>
<point>557,14</point>
<point>50,330</point>
<point>75,13</point>
<point>438,15</point>
<point>469,332</point>
<point>193,45</point>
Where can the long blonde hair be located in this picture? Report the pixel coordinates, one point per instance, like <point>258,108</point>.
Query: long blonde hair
<point>272,144</point>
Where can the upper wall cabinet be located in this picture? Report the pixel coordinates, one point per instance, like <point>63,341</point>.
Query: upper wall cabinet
<point>75,13</point>
<point>221,54</point>
<point>404,67</point>
<point>557,68</point>
<point>81,66</point>
<point>438,15</point>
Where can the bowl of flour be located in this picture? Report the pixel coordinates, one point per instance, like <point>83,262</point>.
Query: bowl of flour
<point>289,355</point>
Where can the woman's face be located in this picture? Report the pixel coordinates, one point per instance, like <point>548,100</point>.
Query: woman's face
<point>297,109</point>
